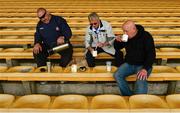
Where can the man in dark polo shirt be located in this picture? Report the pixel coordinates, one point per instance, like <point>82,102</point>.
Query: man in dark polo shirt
<point>51,31</point>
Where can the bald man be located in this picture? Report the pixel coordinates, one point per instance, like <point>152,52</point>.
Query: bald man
<point>51,31</point>
<point>140,55</point>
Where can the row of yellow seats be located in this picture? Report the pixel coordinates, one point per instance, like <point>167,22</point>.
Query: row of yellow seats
<point>97,69</point>
<point>137,103</point>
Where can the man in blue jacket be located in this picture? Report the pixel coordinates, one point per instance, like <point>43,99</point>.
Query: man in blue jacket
<point>140,55</point>
<point>51,31</point>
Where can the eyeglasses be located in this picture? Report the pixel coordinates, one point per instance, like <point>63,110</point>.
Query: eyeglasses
<point>42,16</point>
<point>93,24</point>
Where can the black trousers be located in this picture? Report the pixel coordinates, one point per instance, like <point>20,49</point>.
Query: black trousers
<point>66,56</point>
<point>91,60</point>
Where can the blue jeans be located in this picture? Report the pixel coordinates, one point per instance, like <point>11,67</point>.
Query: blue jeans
<point>141,86</point>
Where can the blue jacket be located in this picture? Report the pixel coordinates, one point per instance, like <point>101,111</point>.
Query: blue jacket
<point>48,33</point>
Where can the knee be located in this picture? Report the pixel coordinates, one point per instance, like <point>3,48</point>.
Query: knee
<point>117,76</point>
<point>88,54</point>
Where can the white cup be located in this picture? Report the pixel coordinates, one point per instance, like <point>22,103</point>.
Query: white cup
<point>108,66</point>
<point>124,37</point>
<point>94,53</point>
<point>74,68</point>
<point>48,67</point>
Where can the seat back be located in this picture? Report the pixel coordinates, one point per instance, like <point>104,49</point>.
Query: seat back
<point>163,69</point>
<point>178,68</point>
<point>173,101</point>
<point>6,100</point>
<point>13,50</point>
<point>108,102</point>
<point>1,49</point>
<point>143,101</point>
<point>70,102</point>
<point>3,68</point>
<point>168,49</point>
<point>32,101</point>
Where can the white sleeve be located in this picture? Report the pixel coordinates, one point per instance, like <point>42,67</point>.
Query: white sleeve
<point>87,38</point>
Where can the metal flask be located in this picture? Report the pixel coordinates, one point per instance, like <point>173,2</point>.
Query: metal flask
<point>58,48</point>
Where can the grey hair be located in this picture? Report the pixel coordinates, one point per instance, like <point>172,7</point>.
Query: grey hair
<point>93,15</point>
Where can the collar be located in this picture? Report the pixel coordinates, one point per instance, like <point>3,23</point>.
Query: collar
<point>96,30</point>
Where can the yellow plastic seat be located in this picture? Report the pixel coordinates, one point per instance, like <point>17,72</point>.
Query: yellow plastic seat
<point>32,101</point>
<point>70,102</point>
<point>23,29</point>
<point>178,68</point>
<point>102,69</point>
<point>1,49</point>
<point>6,100</point>
<point>163,69</point>
<point>11,37</point>
<point>108,102</point>
<point>157,50</point>
<point>23,69</point>
<point>3,69</point>
<point>173,101</point>
<point>29,50</point>
<point>168,49</point>
<point>27,37</point>
<point>144,101</point>
<point>13,50</point>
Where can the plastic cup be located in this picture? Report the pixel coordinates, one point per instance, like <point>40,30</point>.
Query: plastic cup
<point>48,67</point>
<point>124,37</point>
<point>108,66</point>
<point>94,53</point>
<point>74,68</point>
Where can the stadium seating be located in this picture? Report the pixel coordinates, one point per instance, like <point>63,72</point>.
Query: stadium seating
<point>17,26</point>
<point>107,103</point>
